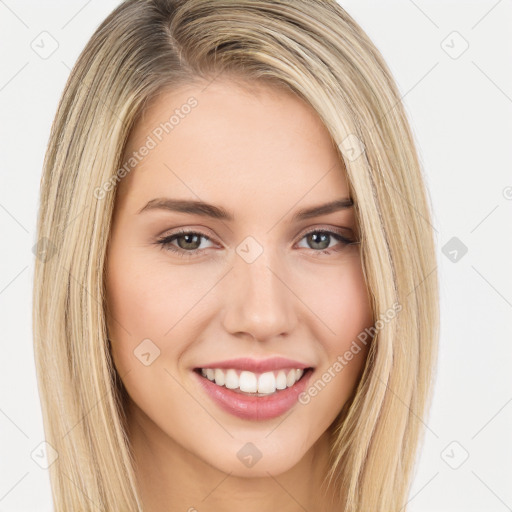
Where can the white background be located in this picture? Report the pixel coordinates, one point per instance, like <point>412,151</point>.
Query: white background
<point>460,111</point>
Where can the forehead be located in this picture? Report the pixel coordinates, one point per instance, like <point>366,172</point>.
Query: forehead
<point>231,143</point>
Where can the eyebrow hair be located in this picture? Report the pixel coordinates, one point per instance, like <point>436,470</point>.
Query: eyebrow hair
<point>217,212</point>
<point>324,209</point>
<point>188,206</point>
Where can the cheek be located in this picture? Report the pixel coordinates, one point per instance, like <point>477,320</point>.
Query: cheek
<point>338,297</point>
<point>138,310</point>
<point>144,299</point>
<point>149,293</point>
<point>340,302</point>
<point>149,300</point>
<point>143,308</point>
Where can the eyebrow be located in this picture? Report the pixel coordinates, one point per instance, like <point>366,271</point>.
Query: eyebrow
<point>217,212</point>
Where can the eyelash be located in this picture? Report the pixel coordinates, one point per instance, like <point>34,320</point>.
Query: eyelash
<point>165,242</point>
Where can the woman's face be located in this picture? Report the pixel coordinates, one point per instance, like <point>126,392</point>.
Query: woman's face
<point>213,258</point>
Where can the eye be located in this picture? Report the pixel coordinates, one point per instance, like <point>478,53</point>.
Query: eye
<point>188,243</point>
<point>319,241</point>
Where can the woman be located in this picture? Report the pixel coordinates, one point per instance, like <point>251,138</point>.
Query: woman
<point>241,309</point>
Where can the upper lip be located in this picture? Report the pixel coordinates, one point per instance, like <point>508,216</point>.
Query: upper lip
<point>257,365</point>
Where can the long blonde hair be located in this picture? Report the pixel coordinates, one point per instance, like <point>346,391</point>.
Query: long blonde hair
<point>315,49</point>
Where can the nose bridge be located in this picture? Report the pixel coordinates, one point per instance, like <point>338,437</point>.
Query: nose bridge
<point>258,301</point>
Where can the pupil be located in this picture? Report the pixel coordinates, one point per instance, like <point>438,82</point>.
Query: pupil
<point>325,238</point>
<point>188,242</point>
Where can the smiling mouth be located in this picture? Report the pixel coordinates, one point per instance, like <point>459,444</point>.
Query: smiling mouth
<point>251,383</point>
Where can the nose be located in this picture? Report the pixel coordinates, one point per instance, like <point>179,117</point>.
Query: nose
<point>258,299</point>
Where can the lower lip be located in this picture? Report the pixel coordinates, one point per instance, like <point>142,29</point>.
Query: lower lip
<point>255,407</point>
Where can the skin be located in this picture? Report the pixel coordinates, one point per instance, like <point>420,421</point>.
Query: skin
<point>262,154</point>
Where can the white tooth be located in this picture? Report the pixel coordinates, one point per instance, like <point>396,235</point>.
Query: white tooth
<point>231,381</point>
<point>290,378</point>
<point>203,372</point>
<point>210,373</point>
<point>248,382</point>
<point>267,383</point>
<point>281,380</point>
<point>298,374</point>
<point>219,377</point>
